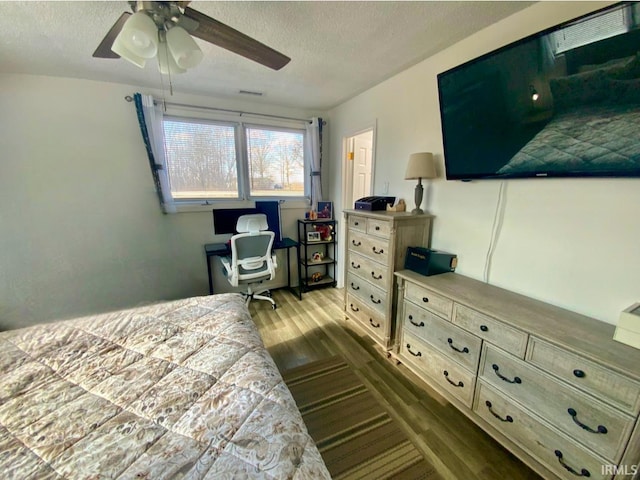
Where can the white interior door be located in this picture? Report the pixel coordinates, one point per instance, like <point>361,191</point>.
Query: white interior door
<point>362,165</point>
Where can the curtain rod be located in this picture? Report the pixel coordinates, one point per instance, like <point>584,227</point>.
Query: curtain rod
<point>239,112</point>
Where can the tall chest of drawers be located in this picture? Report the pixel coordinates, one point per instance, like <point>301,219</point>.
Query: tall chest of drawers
<point>376,247</point>
<point>551,385</point>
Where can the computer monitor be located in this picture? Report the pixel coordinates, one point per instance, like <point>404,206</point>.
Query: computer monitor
<point>225,219</point>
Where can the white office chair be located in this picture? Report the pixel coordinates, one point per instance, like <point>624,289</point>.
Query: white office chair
<point>252,259</point>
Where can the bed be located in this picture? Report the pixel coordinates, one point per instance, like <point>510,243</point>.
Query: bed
<point>595,126</point>
<point>183,389</point>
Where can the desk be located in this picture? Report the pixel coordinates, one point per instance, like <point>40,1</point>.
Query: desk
<point>224,249</point>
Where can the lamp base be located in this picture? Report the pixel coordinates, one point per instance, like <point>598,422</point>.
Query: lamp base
<point>418,198</point>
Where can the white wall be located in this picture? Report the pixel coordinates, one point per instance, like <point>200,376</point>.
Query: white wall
<point>81,230</point>
<point>573,243</point>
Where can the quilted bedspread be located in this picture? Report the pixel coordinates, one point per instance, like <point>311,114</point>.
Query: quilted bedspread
<point>183,389</point>
<point>598,139</point>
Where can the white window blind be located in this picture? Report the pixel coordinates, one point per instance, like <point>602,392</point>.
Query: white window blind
<point>201,159</point>
<point>598,28</point>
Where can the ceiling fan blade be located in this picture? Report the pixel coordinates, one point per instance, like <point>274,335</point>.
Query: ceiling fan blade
<point>104,49</point>
<point>231,39</point>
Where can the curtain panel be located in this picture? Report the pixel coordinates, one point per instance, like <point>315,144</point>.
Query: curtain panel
<point>151,127</point>
<point>314,142</point>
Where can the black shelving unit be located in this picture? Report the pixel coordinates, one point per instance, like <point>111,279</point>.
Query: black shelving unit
<point>317,271</point>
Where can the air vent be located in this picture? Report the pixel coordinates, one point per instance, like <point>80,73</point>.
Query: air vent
<point>249,92</point>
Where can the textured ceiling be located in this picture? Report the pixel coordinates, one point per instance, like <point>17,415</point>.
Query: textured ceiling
<point>338,49</point>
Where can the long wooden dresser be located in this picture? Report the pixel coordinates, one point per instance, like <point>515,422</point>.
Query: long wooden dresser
<point>376,247</point>
<point>549,384</point>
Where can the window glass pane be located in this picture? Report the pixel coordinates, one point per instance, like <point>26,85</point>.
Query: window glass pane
<point>276,162</point>
<point>201,159</point>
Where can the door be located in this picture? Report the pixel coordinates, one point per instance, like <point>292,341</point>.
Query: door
<point>358,171</point>
<point>362,165</point>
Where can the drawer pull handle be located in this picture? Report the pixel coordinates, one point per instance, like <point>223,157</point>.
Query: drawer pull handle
<point>502,377</point>
<point>421,324</point>
<point>377,227</point>
<point>601,428</point>
<point>446,375</point>
<point>419,354</point>
<point>354,309</point>
<point>582,473</point>
<point>355,266</point>
<point>463,350</point>
<point>379,277</point>
<point>355,287</point>
<point>505,419</point>
<point>425,299</point>
<point>356,244</point>
<point>356,223</point>
<point>484,328</point>
<point>374,300</point>
<point>579,373</point>
<point>374,325</point>
<point>377,252</point>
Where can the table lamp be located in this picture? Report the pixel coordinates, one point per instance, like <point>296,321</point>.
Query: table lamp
<point>420,166</point>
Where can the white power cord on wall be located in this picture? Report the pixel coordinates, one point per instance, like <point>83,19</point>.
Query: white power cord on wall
<point>498,219</point>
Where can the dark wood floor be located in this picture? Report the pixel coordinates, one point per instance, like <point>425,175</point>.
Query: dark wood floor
<point>299,332</point>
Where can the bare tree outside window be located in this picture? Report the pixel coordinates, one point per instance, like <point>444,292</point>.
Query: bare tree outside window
<point>276,162</point>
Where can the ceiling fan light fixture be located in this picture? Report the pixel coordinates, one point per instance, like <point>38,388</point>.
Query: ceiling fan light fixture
<point>183,48</point>
<point>121,49</point>
<point>140,35</point>
<point>166,63</point>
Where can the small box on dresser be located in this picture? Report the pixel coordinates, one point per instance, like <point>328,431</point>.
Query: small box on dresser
<point>376,246</point>
<point>549,384</point>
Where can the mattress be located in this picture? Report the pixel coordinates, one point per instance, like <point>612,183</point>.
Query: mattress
<point>183,389</point>
<point>594,139</point>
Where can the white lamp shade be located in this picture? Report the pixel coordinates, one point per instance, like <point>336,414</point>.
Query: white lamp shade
<point>166,63</point>
<point>421,165</point>
<point>120,48</point>
<point>140,35</point>
<point>183,48</point>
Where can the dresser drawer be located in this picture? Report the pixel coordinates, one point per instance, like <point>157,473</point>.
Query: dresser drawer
<point>380,228</point>
<point>430,300</point>
<point>444,336</point>
<point>586,375</point>
<point>373,321</point>
<point>372,297</point>
<point>494,331</point>
<point>365,268</point>
<point>371,247</point>
<point>358,223</point>
<point>535,436</point>
<point>456,380</point>
<point>583,418</point>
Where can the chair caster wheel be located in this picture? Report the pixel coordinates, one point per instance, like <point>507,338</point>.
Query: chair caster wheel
<point>273,305</point>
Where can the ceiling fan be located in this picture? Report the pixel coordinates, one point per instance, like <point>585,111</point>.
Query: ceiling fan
<point>165,29</point>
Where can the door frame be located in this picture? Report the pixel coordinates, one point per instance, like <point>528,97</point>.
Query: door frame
<point>347,166</point>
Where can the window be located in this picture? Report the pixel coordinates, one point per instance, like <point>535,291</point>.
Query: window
<point>201,159</point>
<point>208,160</point>
<point>276,162</point>
<point>598,28</point>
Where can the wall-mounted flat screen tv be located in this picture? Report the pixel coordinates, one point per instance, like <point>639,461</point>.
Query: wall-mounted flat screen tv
<point>562,103</point>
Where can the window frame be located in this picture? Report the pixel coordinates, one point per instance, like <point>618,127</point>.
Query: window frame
<point>242,161</point>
